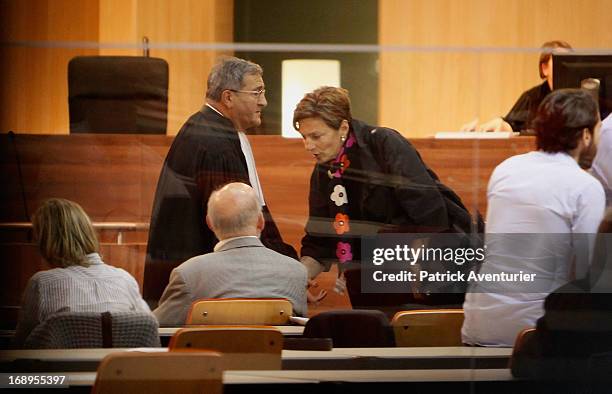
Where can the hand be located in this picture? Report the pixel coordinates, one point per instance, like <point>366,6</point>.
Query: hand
<point>470,126</point>
<point>315,298</point>
<point>497,124</point>
<point>312,283</point>
<point>313,267</point>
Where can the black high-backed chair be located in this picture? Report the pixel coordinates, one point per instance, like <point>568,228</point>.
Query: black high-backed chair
<point>352,328</point>
<point>118,94</point>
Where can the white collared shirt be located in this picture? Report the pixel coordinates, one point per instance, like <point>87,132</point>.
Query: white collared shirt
<point>539,204</point>
<point>221,243</point>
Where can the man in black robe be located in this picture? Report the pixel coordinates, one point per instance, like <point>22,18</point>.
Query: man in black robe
<point>524,110</point>
<point>209,151</point>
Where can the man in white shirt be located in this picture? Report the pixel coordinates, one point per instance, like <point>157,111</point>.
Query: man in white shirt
<point>542,207</point>
<point>602,166</point>
<point>240,266</point>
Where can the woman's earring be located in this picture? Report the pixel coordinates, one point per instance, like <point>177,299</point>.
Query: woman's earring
<point>342,138</point>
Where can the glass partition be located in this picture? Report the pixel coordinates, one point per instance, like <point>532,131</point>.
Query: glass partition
<point>433,111</point>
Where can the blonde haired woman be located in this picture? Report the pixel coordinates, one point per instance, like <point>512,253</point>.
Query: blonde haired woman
<point>79,280</point>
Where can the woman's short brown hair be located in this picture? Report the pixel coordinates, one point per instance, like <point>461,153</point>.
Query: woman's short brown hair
<point>548,48</point>
<point>64,233</point>
<point>332,105</point>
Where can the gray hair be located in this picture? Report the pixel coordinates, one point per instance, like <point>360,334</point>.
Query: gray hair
<point>233,212</point>
<point>229,74</point>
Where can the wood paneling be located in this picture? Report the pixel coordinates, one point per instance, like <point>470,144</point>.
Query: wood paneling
<point>419,92</point>
<point>118,24</point>
<point>180,22</point>
<point>114,178</point>
<point>19,261</point>
<point>34,88</point>
<point>422,92</point>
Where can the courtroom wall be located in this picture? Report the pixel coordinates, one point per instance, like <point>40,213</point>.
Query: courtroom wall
<point>33,85</point>
<point>461,62</point>
<point>451,60</point>
<point>39,37</point>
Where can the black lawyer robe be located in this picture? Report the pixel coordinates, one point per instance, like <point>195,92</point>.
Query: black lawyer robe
<point>526,107</point>
<point>205,155</point>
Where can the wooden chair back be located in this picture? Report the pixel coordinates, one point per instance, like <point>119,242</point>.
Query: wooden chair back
<point>436,327</point>
<point>524,353</point>
<point>240,311</point>
<point>522,338</point>
<point>242,348</point>
<point>167,372</point>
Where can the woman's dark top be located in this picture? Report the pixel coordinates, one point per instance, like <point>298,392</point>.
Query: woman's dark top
<point>389,189</point>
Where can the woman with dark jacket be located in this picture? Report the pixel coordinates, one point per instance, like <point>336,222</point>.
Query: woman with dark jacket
<point>367,180</point>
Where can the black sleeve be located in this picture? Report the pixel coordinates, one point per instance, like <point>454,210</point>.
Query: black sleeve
<point>415,189</point>
<point>189,176</point>
<point>216,169</point>
<point>520,112</point>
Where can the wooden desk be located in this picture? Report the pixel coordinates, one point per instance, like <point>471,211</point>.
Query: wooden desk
<point>454,381</point>
<point>338,376</point>
<point>81,360</point>
<point>288,331</point>
<point>165,333</point>
<point>114,176</point>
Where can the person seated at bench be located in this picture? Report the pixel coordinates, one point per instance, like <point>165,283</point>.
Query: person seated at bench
<point>524,110</point>
<point>240,266</point>
<point>577,323</point>
<point>543,212</point>
<point>79,280</point>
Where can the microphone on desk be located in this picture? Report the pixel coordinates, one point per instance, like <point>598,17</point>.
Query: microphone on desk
<point>145,46</point>
<point>11,136</point>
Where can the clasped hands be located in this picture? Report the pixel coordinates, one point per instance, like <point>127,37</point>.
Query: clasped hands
<point>495,124</point>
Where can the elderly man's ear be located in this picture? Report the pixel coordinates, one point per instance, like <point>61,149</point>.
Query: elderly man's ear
<point>261,223</point>
<point>209,224</point>
<point>227,98</point>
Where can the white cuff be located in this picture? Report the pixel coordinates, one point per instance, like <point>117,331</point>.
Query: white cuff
<point>313,267</point>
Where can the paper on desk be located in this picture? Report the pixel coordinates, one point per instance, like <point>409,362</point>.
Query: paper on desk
<point>470,135</point>
<point>149,349</point>
<point>301,321</point>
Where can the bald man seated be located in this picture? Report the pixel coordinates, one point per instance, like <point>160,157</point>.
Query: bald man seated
<point>239,267</point>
